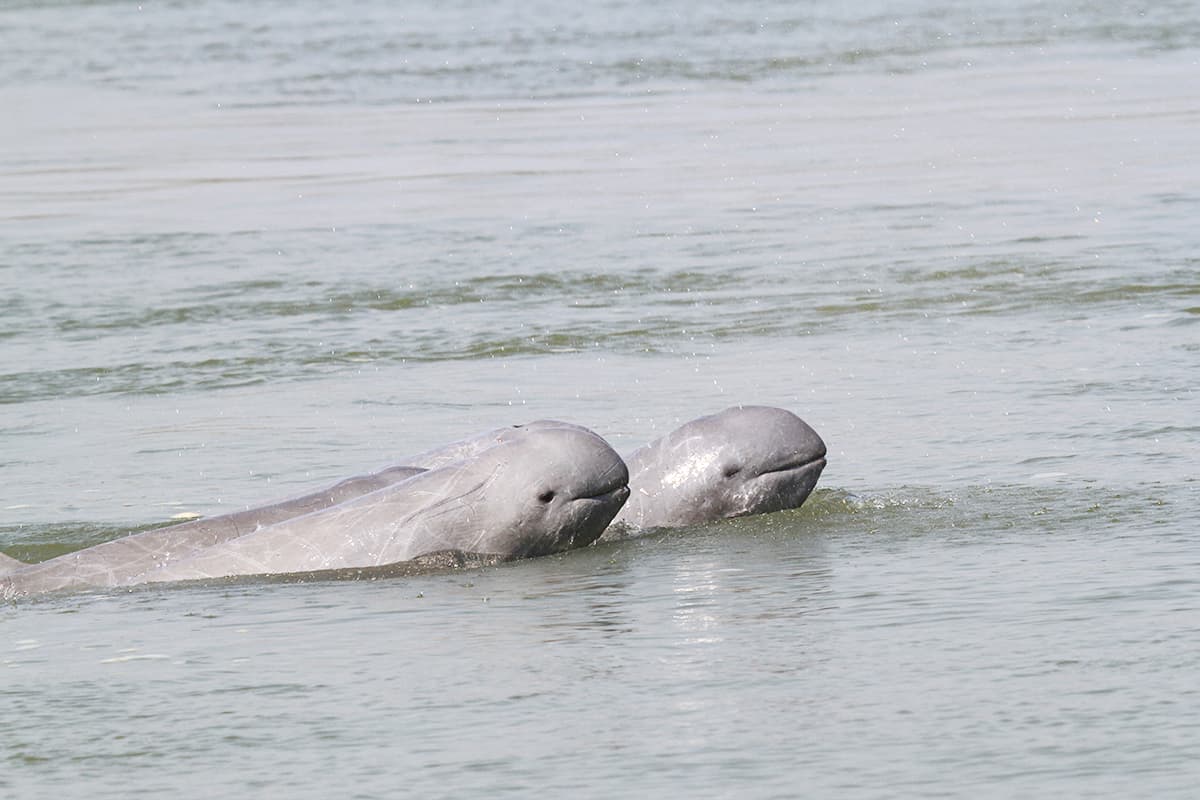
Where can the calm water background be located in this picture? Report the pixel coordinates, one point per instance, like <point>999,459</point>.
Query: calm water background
<point>249,248</point>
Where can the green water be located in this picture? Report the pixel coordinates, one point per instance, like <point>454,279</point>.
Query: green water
<point>246,250</point>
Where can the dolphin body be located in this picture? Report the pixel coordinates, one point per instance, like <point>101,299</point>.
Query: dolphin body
<point>514,492</point>
<point>112,563</point>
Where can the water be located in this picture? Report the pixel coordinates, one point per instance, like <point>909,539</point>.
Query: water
<point>244,251</point>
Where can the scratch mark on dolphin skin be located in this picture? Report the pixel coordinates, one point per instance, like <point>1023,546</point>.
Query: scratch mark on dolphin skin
<point>440,504</point>
<point>613,468</point>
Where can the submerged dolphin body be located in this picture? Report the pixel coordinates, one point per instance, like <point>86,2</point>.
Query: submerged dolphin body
<point>111,563</point>
<point>743,460</point>
<point>527,491</point>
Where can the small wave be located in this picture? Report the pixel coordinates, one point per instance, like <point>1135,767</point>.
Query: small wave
<point>984,510</point>
<point>42,541</point>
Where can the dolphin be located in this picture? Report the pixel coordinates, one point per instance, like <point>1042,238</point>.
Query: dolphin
<point>539,489</point>
<point>743,460</point>
<point>112,562</point>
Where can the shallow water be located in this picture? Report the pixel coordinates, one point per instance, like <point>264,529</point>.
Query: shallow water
<point>245,253</point>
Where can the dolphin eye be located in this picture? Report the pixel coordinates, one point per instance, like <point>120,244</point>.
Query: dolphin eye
<point>546,496</point>
<point>731,470</point>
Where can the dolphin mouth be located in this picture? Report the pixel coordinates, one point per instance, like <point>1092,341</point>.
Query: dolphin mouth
<point>596,512</point>
<point>620,492</point>
<point>781,488</point>
<point>817,464</point>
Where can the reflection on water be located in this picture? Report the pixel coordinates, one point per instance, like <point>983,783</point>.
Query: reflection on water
<point>695,592</point>
<point>866,632</point>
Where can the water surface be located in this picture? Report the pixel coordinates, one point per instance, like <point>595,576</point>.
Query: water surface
<point>248,250</point>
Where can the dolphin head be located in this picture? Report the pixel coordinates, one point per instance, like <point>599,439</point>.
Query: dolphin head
<point>550,488</point>
<point>743,460</point>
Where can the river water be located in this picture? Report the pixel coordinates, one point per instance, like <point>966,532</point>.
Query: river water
<point>247,249</point>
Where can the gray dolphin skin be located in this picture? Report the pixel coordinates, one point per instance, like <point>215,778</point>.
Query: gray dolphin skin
<point>743,460</point>
<point>535,490</point>
<point>111,563</point>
